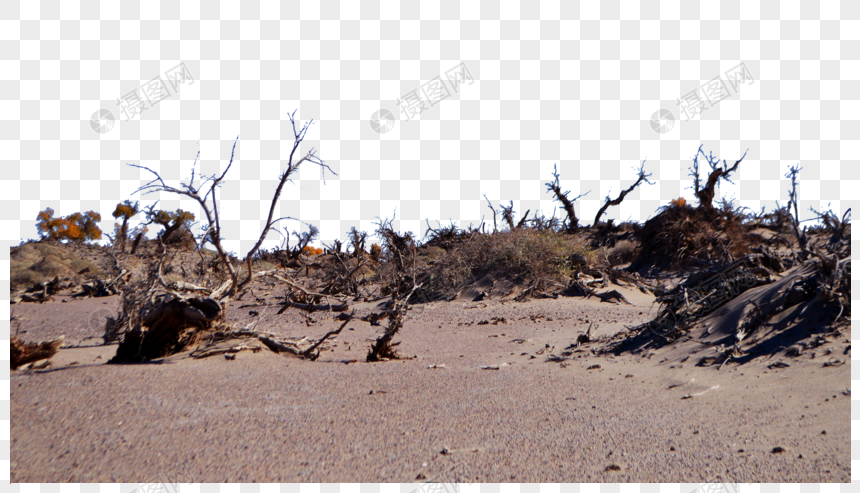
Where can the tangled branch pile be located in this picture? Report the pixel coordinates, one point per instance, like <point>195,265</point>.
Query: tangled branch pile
<point>400,282</point>
<point>743,306</point>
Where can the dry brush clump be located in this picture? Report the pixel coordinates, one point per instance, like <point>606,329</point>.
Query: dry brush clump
<point>448,236</point>
<point>685,236</point>
<point>520,255</point>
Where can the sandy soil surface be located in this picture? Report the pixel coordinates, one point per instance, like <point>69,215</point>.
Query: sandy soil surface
<point>265,417</point>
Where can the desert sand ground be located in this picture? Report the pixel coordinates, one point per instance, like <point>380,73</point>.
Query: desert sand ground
<point>264,417</point>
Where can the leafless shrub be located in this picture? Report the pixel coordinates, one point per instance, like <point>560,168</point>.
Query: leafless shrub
<point>705,192</point>
<point>447,236</point>
<point>542,223</point>
<point>304,239</point>
<point>779,220</point>
<point>838,229</point>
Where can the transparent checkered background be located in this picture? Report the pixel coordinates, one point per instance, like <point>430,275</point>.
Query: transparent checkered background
<point>567,83</point>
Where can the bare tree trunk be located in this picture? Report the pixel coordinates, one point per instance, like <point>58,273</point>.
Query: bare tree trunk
<point>490,205</point>
<point>705,194</point>
<point>566,203</point>
<point>136,243</point>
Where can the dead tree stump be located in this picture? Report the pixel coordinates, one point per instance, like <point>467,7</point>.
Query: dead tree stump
<point>168,328</point>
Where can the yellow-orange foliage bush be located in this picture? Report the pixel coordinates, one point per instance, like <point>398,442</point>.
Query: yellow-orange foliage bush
<point>375,251</point>
<point>679,202</point>
<point>75,227</point>
<point>309,250</point>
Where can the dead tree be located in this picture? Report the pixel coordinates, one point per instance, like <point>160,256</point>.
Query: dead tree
<point>401,252</point>
<point>609,202</point>
<point>705,193</point>
<point>508,215</point>
<point>572,222</point>
<point>173,313</point>
<point>304,240</point>
<point>490,205</point>
<point>357,240</point>
<point>800,234</point>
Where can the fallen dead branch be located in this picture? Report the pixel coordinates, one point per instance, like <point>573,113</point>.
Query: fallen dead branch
<point>22,353</point>
<point>313,307</point>
<point>232,341</point>
<point>225,349</point>
<point>309,353</point>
